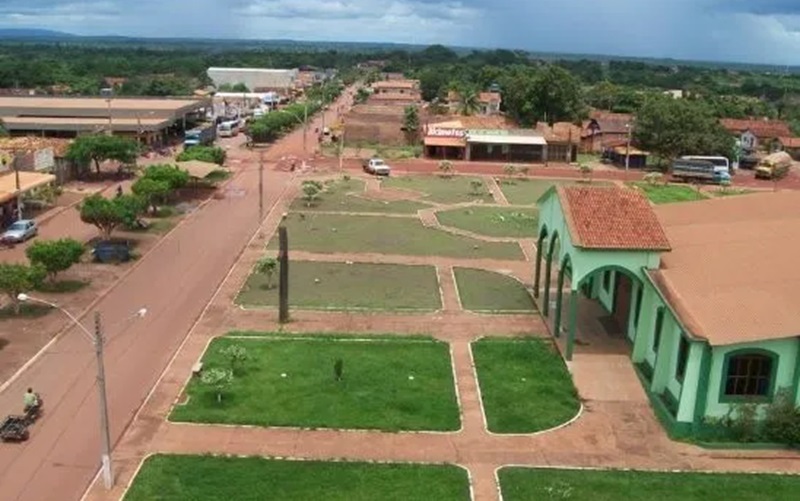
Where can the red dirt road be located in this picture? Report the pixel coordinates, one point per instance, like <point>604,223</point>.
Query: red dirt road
<point>175,282</point>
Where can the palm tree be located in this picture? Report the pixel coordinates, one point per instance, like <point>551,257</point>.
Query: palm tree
<point>470,103</point>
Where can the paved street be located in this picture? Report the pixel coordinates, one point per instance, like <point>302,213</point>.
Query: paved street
<point>175,282</point>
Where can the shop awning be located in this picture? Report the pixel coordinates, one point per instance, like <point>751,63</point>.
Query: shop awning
<point>27,182</point>
<point>199,169</point>
<point>506,139</point>
<point>453,142</point>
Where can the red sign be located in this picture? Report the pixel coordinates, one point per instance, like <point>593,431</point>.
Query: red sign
<point>449,132</point>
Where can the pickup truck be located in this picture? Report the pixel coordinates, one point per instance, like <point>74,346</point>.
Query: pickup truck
<point>377,167</point>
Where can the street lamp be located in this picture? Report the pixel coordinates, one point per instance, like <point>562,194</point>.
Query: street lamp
<point>97,340</point>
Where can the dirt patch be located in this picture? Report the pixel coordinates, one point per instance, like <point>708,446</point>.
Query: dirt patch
<point>391,194</point>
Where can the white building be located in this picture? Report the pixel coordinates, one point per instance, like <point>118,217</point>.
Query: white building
<point>256,79</point>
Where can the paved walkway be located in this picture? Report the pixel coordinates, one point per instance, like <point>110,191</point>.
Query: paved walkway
<point>616,428</point>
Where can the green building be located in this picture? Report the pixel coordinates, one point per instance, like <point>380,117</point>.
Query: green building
<point>704,292</point>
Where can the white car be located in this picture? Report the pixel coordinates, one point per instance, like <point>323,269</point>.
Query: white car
<point>20,231</point>
<point>377,167</point>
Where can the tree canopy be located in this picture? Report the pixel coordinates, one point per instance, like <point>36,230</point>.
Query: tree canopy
<point>98,148</point>
<point>107,214</point>
<point>55,256</point>
<point>674,127</point>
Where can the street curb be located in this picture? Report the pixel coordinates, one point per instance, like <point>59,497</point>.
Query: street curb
<point>102,296</point>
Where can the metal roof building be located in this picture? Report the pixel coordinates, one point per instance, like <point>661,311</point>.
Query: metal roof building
<point>255,78</point>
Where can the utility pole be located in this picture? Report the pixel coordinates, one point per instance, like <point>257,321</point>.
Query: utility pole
<point>17,184</point>
<point>108,476</point>
<point>283,285</point>
<point>628,149</point>
<point>260,187</point>
<point>305,129</point>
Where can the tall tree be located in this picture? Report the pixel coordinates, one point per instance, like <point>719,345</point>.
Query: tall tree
<point>411,124</point>
<point>98,148</point>
<point>674,127</point>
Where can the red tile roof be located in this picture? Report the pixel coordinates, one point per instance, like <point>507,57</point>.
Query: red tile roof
<point>600,217</point>
<point>609,123</point>
<point>764,128</point>
<point>560,132</point>
<point>790,142</point>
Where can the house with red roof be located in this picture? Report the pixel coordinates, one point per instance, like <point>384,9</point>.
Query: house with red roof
<point>682,289</point>
<point>755,134</point>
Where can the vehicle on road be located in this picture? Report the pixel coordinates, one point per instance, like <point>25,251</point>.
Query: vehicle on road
<point>699,171</point>
<point>720,162</point>
<point>14,428</point>
<point>774,165</point>
<point>376,166</point>
<point>203,135</point>
<point>229,128</point>
<point>20,231</point>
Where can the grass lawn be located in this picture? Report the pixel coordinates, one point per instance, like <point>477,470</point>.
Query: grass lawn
<point>450,190</point>
<point>525,386</point>
<point>348,196</point>
<point>520,484</point>
<point>493,221</point>
<point>669,193</point>
<point>210,478</point>
<point>349,286</point>
<point>482,290</point>
<point>333,233</point>
<point>392,385</point>
<point>527,192</point>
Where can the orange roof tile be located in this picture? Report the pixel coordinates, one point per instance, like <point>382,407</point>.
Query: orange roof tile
<point>764,128</point>
<point>601,217</point>
<point>790,142</point>
<point>560,132</point>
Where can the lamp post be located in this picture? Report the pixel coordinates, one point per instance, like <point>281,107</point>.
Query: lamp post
<point>96,339</point>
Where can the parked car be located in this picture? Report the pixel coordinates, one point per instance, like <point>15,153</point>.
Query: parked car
<point>377,167</point>
<point>20,231</point>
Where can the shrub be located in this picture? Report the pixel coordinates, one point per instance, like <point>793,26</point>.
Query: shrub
<point>782,419</point>
<point>235,354</point>
<point>55,256</point>
<point>211,154</point>
<point>743,422</point>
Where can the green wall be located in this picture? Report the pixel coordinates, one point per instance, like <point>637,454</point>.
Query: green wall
<point>786,349</point>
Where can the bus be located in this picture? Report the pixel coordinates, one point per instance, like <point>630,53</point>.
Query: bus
<point>228,129</point>
<point>718,162</point>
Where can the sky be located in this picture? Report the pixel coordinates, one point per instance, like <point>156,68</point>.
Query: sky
<point>756,31</point>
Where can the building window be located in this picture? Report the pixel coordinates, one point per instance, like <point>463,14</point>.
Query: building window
<point>657,329</point>
<point>749,375</point>
<point>607,281</point>
<point>683,358</point>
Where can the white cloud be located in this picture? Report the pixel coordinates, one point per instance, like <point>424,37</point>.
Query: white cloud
<point>751,30</point>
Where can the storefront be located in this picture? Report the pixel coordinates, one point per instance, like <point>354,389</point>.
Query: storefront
<point>506,146</point>
<point>446,143</point>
